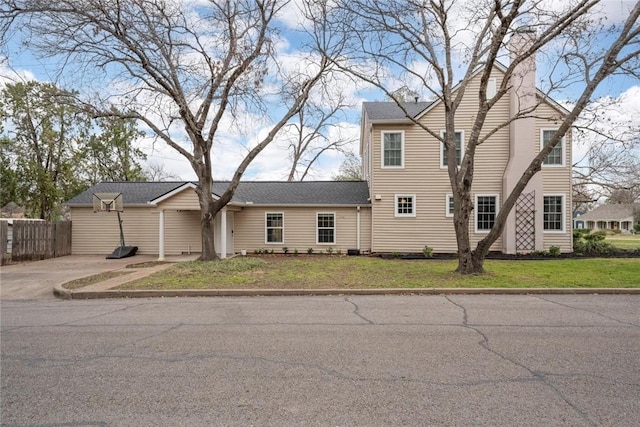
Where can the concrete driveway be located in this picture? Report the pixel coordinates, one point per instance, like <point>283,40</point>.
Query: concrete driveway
<point>36,279</point>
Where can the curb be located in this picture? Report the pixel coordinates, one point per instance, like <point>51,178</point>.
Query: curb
<point>62,293</point>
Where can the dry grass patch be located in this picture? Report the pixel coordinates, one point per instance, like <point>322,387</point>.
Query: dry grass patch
<point>92,280</point>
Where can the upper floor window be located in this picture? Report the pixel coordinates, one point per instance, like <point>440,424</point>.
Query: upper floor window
<point>405,205</point>
<point>392,149</point>
<point>556,156</point>
<point>274,227</point>
<point>326,228</point>
<point>553,217</point>
<point>444,153</point>
<point>486,211</point>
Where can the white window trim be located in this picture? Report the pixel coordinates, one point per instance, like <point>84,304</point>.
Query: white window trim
<point>475,215</point>
<point>335,228</point>
<point>442,132</point>
<point>266,242</point>
<point>492,87</point>
<point>446,205</point>
<point>382,134</point>
<point>395,206</point>
<point>564,149</point>
<point>564,213</point>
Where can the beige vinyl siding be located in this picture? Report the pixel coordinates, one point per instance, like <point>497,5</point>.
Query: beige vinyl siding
<point>557,181</point>
<point>423,176</point>
<point>300,228</point>
<point>98,233</point>
<point>187,199</point>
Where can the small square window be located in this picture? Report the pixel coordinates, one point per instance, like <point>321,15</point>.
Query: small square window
<point>449,205</point>
<point>405,205</point>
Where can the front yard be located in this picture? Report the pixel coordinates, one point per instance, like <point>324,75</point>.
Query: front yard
<point>344,272</point>
<point>624,241</point>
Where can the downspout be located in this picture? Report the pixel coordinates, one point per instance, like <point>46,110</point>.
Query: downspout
<point>358,228</point>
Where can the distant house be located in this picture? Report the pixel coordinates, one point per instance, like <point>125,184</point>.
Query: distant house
<point>622,216</point>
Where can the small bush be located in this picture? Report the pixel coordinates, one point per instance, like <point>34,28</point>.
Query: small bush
<point>310,251</point>
<point>395,255</point>
<point>295,252</point>
<point>285,250</point>
<point>329,250</point>
<point>427,252</point>
<point>257,251</point>
<point>338,251</point>
<point>591,243</point>
<point>554,251</point>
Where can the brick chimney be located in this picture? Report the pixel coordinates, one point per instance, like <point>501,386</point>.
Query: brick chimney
<point>523,145</point>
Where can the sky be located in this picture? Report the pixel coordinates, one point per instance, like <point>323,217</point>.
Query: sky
<point>273,163</point>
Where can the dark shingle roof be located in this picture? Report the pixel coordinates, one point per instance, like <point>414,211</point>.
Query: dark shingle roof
<point>256,192</point>
<point>133,193</point>
<point>299,192</point>
<point>391,111</point>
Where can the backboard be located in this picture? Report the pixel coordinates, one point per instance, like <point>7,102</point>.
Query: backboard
<point>107,202</point>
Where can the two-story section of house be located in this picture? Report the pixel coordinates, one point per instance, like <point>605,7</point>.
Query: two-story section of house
<point>411,196</point>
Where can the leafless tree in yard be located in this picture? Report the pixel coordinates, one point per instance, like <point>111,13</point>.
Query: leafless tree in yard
<point>437,47</point>
<point>314,132</point>
<point>185,69</point>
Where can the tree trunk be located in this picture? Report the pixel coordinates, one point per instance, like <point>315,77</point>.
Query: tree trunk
<point>207,216</point>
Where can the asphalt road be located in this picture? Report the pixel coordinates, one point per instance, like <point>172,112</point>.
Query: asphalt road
<point>329,361</point>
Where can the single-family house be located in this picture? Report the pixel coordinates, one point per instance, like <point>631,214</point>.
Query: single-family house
<point>404,203</point>
<point>164,218</point>
<point>619,216</point>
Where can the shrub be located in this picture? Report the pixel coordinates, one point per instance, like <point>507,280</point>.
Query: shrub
<point>310,251</point>
<point>427,252</point>
<point>295,252</point>
<point>591,243</point>
<point>285,250</point>
<point>554,251</point>
<point>257,251</point>
<point>338,251</point>
<point>329,250</point>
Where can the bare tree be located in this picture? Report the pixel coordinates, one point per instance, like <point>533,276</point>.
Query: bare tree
<point>156,171</point>
<point>185,69</point>
<point>350,169</point>
<point>441,46</point>
<point>315,132</point>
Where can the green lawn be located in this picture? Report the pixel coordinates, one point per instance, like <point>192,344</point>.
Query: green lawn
<point>322,272</point>
<point>625,241</point>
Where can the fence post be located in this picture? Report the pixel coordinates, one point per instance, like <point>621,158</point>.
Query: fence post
<point>4,240</point>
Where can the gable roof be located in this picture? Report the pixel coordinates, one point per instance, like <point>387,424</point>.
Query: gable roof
<point>614,212</point>
<point>133,193</point>
<point>389,111</point>
<point>271,193</point>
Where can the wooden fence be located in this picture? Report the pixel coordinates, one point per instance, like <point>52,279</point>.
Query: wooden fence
<point>33,240</point>
<point>4,237</point>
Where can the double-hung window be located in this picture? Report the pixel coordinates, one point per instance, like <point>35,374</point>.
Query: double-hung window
<point>405,205</point>
<point>556,155</point>
<point>326,228</point>
<point>274,227</point>
<point>449,205</point>
<point>486,211</point>
<point>444,153</point>
<point>553,216</point>
<point>392,149</point>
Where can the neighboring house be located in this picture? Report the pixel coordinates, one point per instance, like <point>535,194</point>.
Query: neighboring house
<point>622,216</point>
<point>404,203</point>
<point>164,218</point>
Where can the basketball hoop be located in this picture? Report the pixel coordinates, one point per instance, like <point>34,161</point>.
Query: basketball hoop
<point>105,203</point>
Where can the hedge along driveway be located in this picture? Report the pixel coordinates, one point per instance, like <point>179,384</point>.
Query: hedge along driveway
<point>340,272</point>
